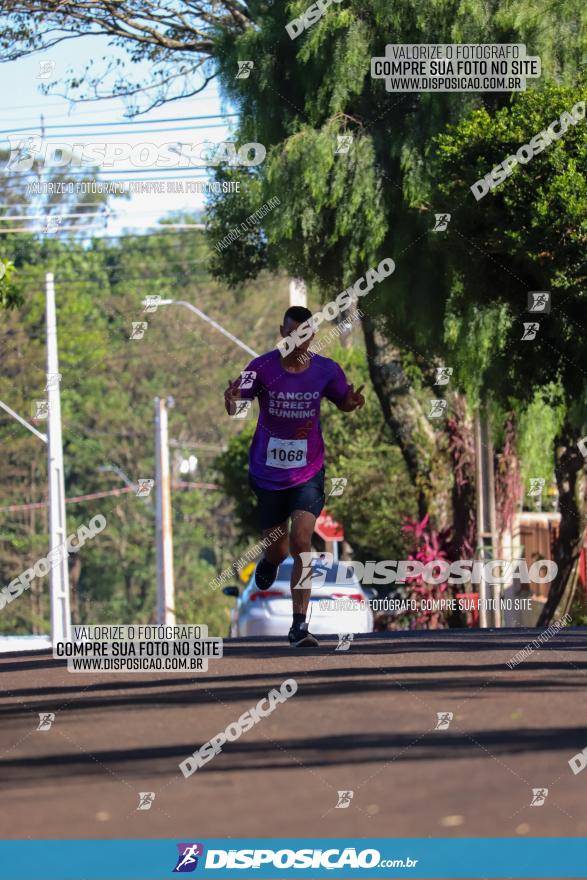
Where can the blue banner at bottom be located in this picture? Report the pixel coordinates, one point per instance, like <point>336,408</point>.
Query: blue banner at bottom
<point>452,858</point>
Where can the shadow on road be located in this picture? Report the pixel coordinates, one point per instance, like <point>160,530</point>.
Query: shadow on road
<point>365,668</point>
<point>302,752</point>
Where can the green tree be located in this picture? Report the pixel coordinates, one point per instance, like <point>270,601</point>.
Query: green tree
<point>528,234</point>
<point>343,212</point>
<point>107,390</point>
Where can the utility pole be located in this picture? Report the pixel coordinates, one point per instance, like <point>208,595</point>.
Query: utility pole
<point>486,522</point>
<point>165,589</point>
<point>58,573</point>
<point>165,586</point>
<point>298,296</point>
<point>297,293</point>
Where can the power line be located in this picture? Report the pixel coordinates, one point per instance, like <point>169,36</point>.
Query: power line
<point>57,117</point>
<point>14,217</point>
<point>123,122</point>
<point>81,135</point>
<point>202,99</point>
<point>35,505</point>
<point>68,102</point>
<point>137,235</point>
<point>26,230</point>
<point>174,169</point>
<point>57,229</point>
<point>101,214</point>
<point>25,188</point>
<point>175,227</point>
<point>109,211</point>
<point>24,276</point>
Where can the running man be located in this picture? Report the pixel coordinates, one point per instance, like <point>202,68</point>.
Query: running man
<point>286,458</point>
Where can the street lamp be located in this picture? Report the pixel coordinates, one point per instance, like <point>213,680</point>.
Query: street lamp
<point>22,421</point>
<point>148,303</point>
<point>188,465</point>
<point>165,585</point>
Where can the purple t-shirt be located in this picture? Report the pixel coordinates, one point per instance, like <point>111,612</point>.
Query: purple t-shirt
<point>287,448</point>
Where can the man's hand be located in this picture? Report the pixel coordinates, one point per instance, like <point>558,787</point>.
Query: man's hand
<point>353,400</point>
<point>232,393</point>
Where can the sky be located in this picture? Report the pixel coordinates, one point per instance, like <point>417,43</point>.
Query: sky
<point>22,104</point>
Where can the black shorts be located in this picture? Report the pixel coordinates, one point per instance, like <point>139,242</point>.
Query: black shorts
<point>277,505</point>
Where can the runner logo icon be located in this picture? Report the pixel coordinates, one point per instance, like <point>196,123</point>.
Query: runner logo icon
<point>539,796</point>
<point>444,719</point>
<point>187,859</point>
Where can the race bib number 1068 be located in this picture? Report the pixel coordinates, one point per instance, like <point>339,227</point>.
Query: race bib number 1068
<point>287,453</point>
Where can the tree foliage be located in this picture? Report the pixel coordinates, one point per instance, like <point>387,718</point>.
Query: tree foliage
<point>107,388</point>
<point>528,234</point>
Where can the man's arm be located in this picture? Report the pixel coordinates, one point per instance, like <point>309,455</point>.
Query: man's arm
<point>246,387</point>
<point>232,393</point>
<point>352,400</point>
<point>342,394</point>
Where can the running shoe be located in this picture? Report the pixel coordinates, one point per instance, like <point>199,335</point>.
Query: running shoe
<point>265,574</point>
<point>300,637</point>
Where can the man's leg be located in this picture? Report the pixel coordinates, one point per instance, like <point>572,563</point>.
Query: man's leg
<point>276,543</point>
<point>306,504</point>
<point>276,546</point>
<point>300,541</point>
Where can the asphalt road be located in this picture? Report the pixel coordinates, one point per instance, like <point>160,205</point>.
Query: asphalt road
<point>362,721</point>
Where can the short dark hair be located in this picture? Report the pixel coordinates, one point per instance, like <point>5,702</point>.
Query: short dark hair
<point>298,314</point>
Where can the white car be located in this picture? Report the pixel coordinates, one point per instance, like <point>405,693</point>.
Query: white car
<point>334,607</point>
